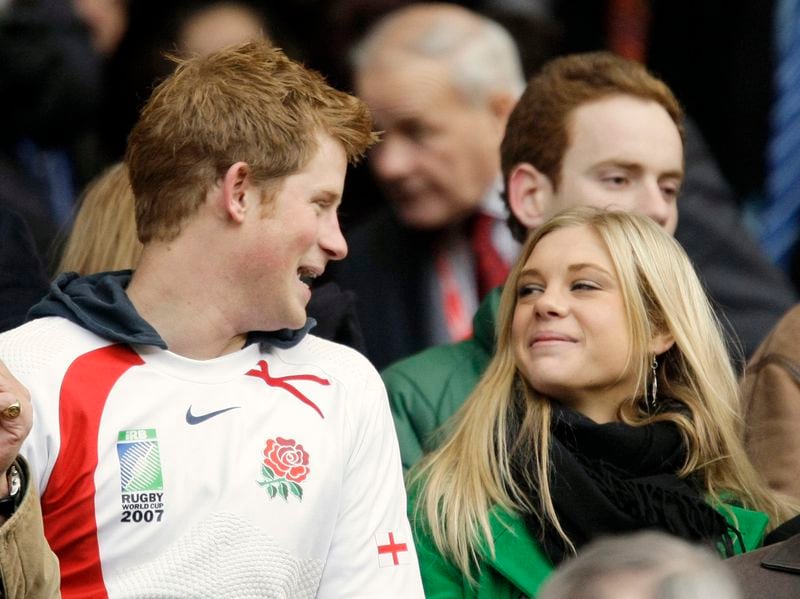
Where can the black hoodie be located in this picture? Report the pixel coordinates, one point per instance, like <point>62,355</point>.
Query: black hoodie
<point>99,304</point>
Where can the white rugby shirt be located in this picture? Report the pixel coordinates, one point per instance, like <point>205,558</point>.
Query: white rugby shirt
<point>155,482</point>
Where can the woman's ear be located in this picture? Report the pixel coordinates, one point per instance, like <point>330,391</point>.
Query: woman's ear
<point>661,343</point>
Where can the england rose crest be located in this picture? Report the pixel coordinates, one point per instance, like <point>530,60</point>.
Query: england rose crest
<point>285,466</point>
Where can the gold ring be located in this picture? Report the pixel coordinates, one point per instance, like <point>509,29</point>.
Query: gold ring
<point>12,411</point>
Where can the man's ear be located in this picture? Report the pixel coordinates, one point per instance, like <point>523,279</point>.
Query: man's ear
<point>233,193</point>
<point>530,195</point>
<point>501,104</point>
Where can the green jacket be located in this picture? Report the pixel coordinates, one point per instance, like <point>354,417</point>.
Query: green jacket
<point>427,388</point>
<point>519,566</point>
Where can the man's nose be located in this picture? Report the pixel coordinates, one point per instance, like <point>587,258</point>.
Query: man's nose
<point>333,241</point>
<point>656,205</point>
<point>393,158</point>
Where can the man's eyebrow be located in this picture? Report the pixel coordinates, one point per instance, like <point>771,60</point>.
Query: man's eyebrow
<point>673,175</point>
<point>637,167</point>
<point>624,164</point>
<point>328,195</point>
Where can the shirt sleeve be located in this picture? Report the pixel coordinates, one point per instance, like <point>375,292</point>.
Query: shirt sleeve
<point>372,553</point>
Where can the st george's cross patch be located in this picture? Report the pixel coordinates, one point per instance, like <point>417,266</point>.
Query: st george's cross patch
<point>392,550</point>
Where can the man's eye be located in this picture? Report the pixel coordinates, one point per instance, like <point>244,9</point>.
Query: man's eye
<point>415,132</point>
<point>617,181</point>
<point>670,191</point>
<point>323,202</point>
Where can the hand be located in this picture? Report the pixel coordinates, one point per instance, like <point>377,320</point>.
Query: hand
<point>12,430</point>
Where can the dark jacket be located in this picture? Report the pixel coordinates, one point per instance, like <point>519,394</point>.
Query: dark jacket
<point>23,281</point>
<point>773,571</point>
<point>386,268</point>
<point>748,292</point>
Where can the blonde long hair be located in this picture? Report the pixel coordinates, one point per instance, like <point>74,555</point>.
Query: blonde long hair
<point>103,236</point>
<point>471,471</point>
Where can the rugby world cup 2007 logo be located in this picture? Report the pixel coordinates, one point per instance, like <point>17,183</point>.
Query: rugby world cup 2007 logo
<point>141,480</point>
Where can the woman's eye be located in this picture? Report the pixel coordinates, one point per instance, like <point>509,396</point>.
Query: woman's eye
<point>585,285</point>
<point>526,290</point>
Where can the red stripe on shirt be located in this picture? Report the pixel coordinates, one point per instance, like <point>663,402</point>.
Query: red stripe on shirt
<point>68,502</point>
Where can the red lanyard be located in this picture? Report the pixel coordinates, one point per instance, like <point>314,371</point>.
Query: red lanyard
<point>459,324</point>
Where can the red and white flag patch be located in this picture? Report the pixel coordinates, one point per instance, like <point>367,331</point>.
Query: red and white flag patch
<point>392,550</point>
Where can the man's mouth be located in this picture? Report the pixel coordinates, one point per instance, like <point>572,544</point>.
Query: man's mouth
<point>307,275</point>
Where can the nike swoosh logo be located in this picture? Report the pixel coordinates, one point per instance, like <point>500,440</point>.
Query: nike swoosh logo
<point>192,419</point>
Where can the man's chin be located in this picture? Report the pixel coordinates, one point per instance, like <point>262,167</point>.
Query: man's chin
<point>292,318</point>
<point>298,321</point>
<point>427,219</point>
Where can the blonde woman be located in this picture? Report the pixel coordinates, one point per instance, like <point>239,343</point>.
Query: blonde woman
<point>103,236</point>
<point>610,406</point>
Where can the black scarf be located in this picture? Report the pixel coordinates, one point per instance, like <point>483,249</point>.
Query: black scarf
<point>614,478</point>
